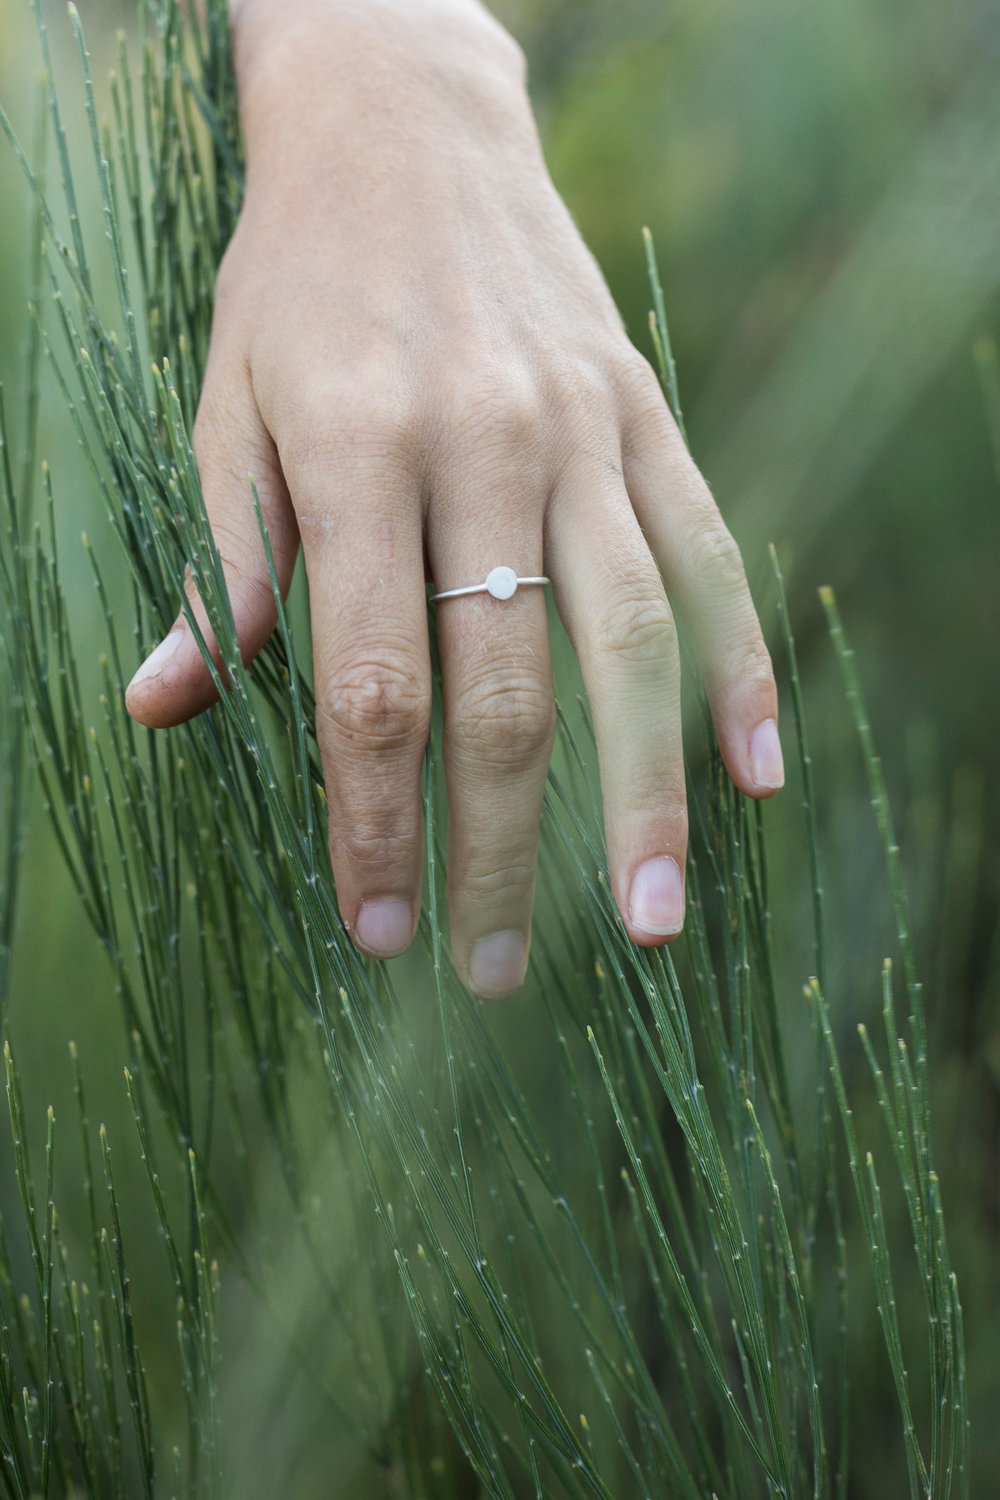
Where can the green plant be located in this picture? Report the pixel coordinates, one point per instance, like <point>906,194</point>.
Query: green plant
<point>615,1264</point>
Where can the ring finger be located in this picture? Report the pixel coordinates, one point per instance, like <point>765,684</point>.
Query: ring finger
<point>499,724</point>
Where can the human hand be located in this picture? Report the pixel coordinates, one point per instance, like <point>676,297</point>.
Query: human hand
<point>417,358</point>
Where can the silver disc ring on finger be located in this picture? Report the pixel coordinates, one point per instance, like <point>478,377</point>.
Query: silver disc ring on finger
<point>500,583</point>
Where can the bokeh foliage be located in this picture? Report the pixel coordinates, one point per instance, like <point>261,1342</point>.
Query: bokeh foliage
<point>844,388</point>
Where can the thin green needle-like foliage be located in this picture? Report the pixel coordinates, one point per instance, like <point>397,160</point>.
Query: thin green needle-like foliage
<point>602,1275</point>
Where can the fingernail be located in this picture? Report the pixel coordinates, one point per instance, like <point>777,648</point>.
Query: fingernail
<point>156,660</point>
<point>656,900</point>
<point>384,927</point>
<point>496,965</point>
<point>766,764</point>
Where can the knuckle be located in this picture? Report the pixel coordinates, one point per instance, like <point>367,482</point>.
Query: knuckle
<point>636,370</point>
<point>379,702</point>
<point>751,666</point>
<point>582,386</point>
<point>379,410</point>
<point>343,419</point>
<point>641,384</point>
<point>372,843</point>
<point>245,575</point>
<point>507,721</point>
<point>234,543</point>
<point>246,578</point>
<point>646,413</point>
<point>716,557</point>
<point>496,406</point>
<point>504,879</point>
<point>229,440</point>
<point>635,624</point>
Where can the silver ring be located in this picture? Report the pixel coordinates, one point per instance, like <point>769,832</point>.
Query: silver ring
<point>501,583</point>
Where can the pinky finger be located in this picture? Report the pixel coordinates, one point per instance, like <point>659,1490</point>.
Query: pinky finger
<point>706,579</point>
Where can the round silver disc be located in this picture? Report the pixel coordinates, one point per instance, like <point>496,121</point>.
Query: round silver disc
<point>501,583</point>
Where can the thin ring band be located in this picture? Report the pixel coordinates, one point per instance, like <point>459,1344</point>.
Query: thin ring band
<point>500,583</point>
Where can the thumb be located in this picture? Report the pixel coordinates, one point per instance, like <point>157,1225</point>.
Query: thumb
<point>174,683</point>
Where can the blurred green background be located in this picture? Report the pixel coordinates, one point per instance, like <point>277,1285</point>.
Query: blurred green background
<point>823,182</point>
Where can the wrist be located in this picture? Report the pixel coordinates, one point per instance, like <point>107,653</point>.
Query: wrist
<point>276,38</point>
<point>340,85</point>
